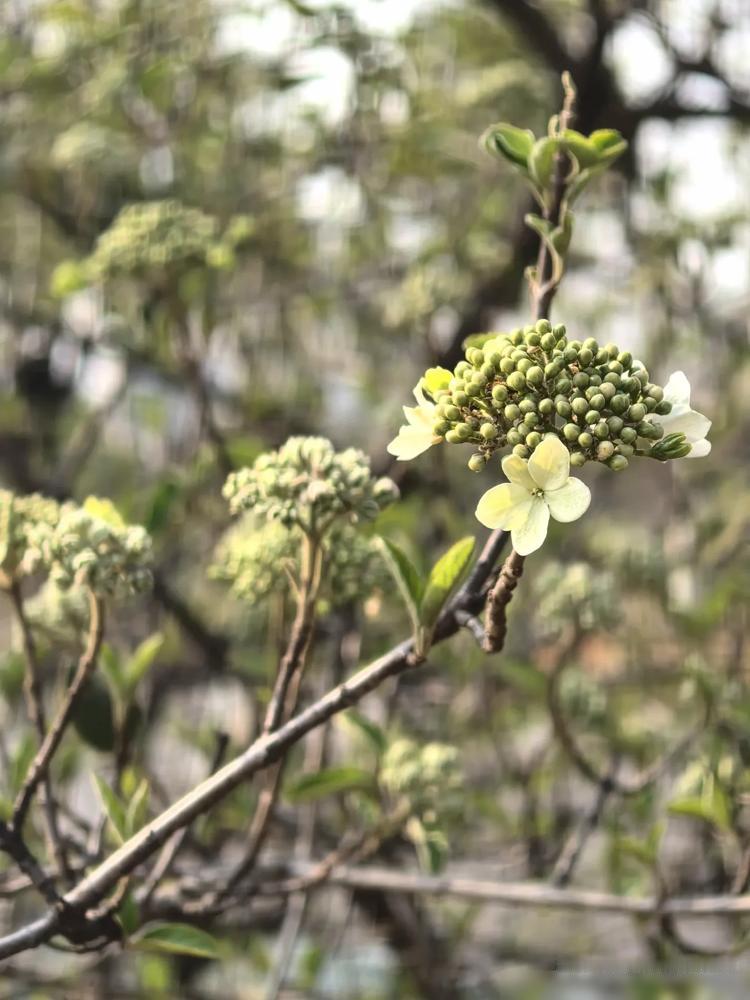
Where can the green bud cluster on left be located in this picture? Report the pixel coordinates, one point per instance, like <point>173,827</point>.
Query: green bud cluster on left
<point>428,776</point>
<point>21,519</point>
<point>308,484</point>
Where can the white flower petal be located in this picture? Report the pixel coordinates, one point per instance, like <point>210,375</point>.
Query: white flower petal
<point>424,402</point>
<point>677,389</point>
<point>699,450</point>
<point>517,471</point>
<point>530,535</point>
<point>418,416</point>
<point>411,441</point>
<point>504,506</point>
<point>570,502</point>
<point>549,464</point>
<point>688,422</point>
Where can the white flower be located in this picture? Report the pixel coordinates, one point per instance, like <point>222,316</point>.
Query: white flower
<point>417,435</point>
<point>538,487</point>
<point>684,420</point>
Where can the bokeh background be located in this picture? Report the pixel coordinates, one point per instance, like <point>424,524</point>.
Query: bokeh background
<point>314,224</point>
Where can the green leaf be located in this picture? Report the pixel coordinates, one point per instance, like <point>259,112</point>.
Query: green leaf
<point>585,152</point>
<point>608,143</point>
<point>135,816</point>
<point>330,781</point>
<point>542,161</point>
<point>93,715</point>
<point>21,762</point>
<point>443,579</point>
<point>113,809</point>
<point>509,142</point>
<point>112,668</point>
<point>712,807</point>
<point>128,914</point>
<point>141,660</point>
<point>369,729</point>
<point>410,583</point>
<point>178,939</point>
<point>161,505</point>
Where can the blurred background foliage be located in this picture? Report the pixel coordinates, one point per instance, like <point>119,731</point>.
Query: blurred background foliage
<point>222,223</point>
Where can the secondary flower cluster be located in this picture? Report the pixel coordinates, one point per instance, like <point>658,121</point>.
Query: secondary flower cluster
<point>307,484</point>
<point>20,520</point>
<point>258,560</point>
<point>93,546</point>
<point>554,402</point>
<point>426,775</point>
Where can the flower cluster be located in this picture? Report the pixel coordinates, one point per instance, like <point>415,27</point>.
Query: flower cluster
<point>20,521</point>
<point>93,546</point>
<point>427,776</point>
<point>521,386</point>
<point>154,235</point>
<point>307,484</point>
<point>259,560</point>
<point>576,593</point>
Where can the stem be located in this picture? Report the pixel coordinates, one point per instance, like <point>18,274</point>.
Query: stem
<point>34,697</point>
<point>39,768</point>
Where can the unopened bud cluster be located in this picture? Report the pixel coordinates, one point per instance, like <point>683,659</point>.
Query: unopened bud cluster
<point>259,560</point>
<point>577,594</point>
<point>429,775</point>
<point>21,517</point>
<point>155,235</point>
<point>534,381</point>
<point>85,550</point>
<point>306,483</point>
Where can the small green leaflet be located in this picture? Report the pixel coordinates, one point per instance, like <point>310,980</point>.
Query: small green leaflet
<point>177,939</point>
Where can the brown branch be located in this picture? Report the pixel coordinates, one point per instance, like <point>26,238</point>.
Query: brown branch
<point>40,765</point>
<point>500,596</point>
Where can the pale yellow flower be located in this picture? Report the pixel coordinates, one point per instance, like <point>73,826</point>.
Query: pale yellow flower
<point>538,488</point>
<point>682,419</point>
<point>417,435</point>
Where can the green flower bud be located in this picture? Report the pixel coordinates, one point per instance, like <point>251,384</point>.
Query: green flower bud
<point>617,463</point>
<point>512,412</point>
<point>517,382</point>
<point>462,368</point>
<point>615,367</point>
<point>576,345</point>
<point>533,439</point>
<point>601,430</point>
<point>563,408</point>
<point>524,365</point>
<point>551,369</point>
<point>650,403</point>
<point>463,431</point>
<point>531,419</point>
<point>475,356</point>
<point>581,380</point>
<point>488,370</point>
<point>477,462</point>
<point>488,431</point>
<point>579,406</point>
<point>523,431</point>
<point>595,380</point>
<point>607,390</point>
<point>652,432</point>
<point>548,342</point>
<point>612,378</point>
<point>605,450</point>
<point>619,404</point>
<point>630,384</point>
<point>559,330</point>
<point>642,376</point>
<point>440,427</point>
<point>571,432</point>
<point>570,355</point>
<point>628,434</point>
<point>535,375</point>
<point>563,385</point>
<point>663,408</point>
<point>626,359</point>
<point>655,392</point>
<point>615,425</point>
<point>479,378</point>
<point>546,407</point>
<point>461,398</point>
<point>499,393</point>
<point>637,412</point>
<point>453,437</point>
<point>521,451</point>
<point>452,413</point>
<point>543,326</point>
<point>625,449</point>
<point>598,402</point>
<point>601,357</point>
<point>533,339</point>
<point>513,438</point>
<point>507,365</point>
<point>474,389</point>
<point>577,459</point>
<point>672,446</point>
<point>592,416</point>
<point>585,356</point>
<point>527,405</point>
<point>591,345</point>
<point>585,440</point>
<point>516,336</point>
